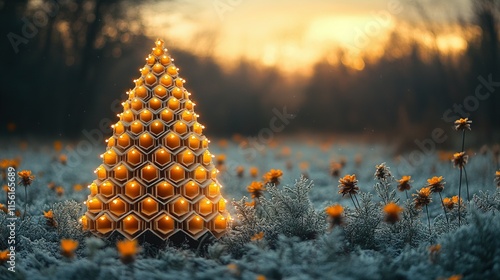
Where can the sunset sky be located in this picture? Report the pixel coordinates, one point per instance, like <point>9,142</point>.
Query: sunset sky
<point>293,34</point>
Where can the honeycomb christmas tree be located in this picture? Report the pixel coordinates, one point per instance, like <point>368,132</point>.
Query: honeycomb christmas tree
<point>157,174</point>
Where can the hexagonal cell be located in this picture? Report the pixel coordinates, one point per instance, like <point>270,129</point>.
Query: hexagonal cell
<point>137,127</point>
<point>157,127</point>
<point>172,141</point>
<point>124,141</point>
<point>136,104</point>
<point>101,172</point>
<point>118,207</point>
<point>94,205</point>
<point>146,116</point>
<point>167,115</point>
<point>119,128</point>
<point>200,174</point>
<point>222,204</point>
<point>186,158</point>
<point>158,68</point>
<point>180,207</point>
<point>93,189</point>
<point>179,82</point>
<point>142,92</point>
<point>111,142</point>
<point>107,189</point>
<point>150,60</point>
<point>149,173</point>
<point>144,70</point>
<point>155,104</point>
<point>176,173</point>
<point>190,190</point>
<point>148,206</point>
<point>177,93</point>
<point>131,224</point>
<point>213,173</point>
<point>164,190</point>
<point>104,224</point>
<point>110,157</point>
<point>204,143</point>
<point>127,116</point>
<point>139,82</point>
<point>150,79</point>
<point>166,80</point>
<point>219,223</point>
<point>180,127</point>
<point>121,173</point>
<point>205,207</point>
<point>146,141</point>
<point>207,157</point>
<point>173,104</point>
<point>161,157</point>
<point>198,128</point>
<point>172,70</point>
<point>133,190</point>
<point>195,225</point>
<point>189,105</point>
<point>213,190</point>
<point>188,116</point>
<point>161,92</point>
<point>134,157</point>
<point>164,224</point>
<point>165,60</point>
<point>194,142</point>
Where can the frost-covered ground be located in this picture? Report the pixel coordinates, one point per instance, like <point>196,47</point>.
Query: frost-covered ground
<point>363,247</point>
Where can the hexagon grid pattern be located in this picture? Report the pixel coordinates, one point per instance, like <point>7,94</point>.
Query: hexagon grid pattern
<point>157,174</point>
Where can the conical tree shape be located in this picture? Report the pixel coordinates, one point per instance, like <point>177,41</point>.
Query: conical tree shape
<point>157,173</point>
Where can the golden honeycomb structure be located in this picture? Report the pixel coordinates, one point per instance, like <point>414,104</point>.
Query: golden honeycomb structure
<point>157,173</point>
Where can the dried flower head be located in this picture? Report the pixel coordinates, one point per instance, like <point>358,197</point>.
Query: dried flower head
<point>463,124</point>
<point>256,189</point>
<point>436,184</point>
<point>382,172</point>
<point>460,159</point>
<point>457,201</point>
<point>240,171</point>
<point>334,213</point>
<point>497,178</point>
<point>254,171</point>
<point>404,184</point>
<point>422,197</point>
<point>5,188</point>
<point>273,176</point>
<point>25,177</point>
<point>4,256</point>
<point>78,188</point>
<point>348,185</point>
<point>68,247</point>
<point>392,211</point>
<point>127,250</point>
<point>257,236</point>
<point>448,203</point>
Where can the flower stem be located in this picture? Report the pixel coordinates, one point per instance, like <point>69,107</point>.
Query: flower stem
<point>406,192</point>
<point>466,184</point>
<point>355,206</point>
<point>459,195</point>
<point>444,210</point>
<point>428,220</point>
<point>359,205</point>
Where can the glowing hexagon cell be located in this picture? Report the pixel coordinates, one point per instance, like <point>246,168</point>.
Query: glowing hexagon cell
<point>161,92</point>
<point>110,157</point>
<point>195,225</point>
<point>148,206</point>
<point>165,60</point>
<point>176,173</point>
<point>177,93</point>
<point>157,127</point>
<point>167,115</point>
<point>180,207</point>
<point>164,224</point>
<point>131,224</point>
<point>137,127</point>
<point>150,60</point>
<point>222,204</point>
<point>119,128</point>
<point>194,142</point>
<point>94,205</point>
<point>133,190</point>
<point>107,189</point>
<point>150,79</point>
<point>136,104</point>
<point>166,80</point>
<point>118,207</point>
<point>141,92</point>
<point>111,142</point>
<point>220,223</point>
<point>173,104</point>
<point>186,158</point>
<point>127,116</point>
<point>158,68</point>
<point>198,128</point>
<point>206,207</point>
<point>146,141</point>
<point>191,190</point>
<point>188,116</point>
<point>101,172</point>
<point>158,51</point>
<point>180,128</point>
<point>149,173</point>
<point>146,116</point>
<point>213,190</point>
<point>164,190</point>
<point>172,70</point>
<point>179,82</point>
<point>189,105</point>
<point>161,157</point>
<point>200,174</point>
<point>155,103</point>
<point>207,158</point>
<point>124,141</point>
<point>172,141</point>
<point>121,173</point>
<point>134,157</point>
<point>104,224</point>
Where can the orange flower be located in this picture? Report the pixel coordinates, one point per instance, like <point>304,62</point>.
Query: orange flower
<point>273,176</point>
<point>348,185</point>
<point>304,166</point>
<point>58,145</point>
<point>260,277</point>
<point>462,124</point>
<point>460,159</point>
<point>436,184</point>
<point>404,183</point>
<point>334,213</point>
<point>422,197</point>
<point>48,215</point>
<point>77,188</point>
<point>497,178</point>
<point>68,247</point>
<point>25,177</point>
<point>240,171</point>
<point>254,171</point>
<point>4,256</point>
<point>60,191</point>
<point>5,188</point>
<point>257,236</point>
<point>127,250</point>
<point>4,208</point>
<point>448,203</point>
<point>392,211</point>
<point>434,251</point>
<point>455,277</point>
<point>220,159</point>
<point>456,200</point>
<point>256,189</point>
<point>63,159</point>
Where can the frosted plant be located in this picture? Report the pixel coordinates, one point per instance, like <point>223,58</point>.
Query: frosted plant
<point>362,223</point>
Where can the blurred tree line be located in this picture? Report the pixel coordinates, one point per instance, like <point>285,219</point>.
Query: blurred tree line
<point>64,62</point>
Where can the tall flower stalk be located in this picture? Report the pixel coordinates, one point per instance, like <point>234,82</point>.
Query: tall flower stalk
<point>436,184</point>
<point>25,179</point>
<point>349,185</point>
<point>423,198</point>
<point>460,159</point>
